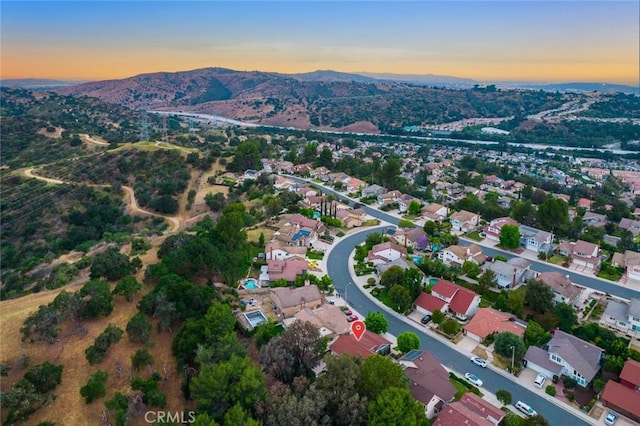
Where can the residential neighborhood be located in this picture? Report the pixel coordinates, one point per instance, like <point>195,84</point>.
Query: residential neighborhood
<point>459,240</point>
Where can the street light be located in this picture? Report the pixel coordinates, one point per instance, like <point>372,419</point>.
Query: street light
<point>346,299</point>
<point>513,354</point>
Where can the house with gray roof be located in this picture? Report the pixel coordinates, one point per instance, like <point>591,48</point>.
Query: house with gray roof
<point>566,355</point>
<point>510,273</point>
<point>623,316</point>
<point>536,239</point>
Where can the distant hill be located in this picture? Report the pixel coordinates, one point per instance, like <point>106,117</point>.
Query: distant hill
<point>587,87</point>
<point>328,75</point>
<point>325,100</point>
<point>37,83</point>
<point>425,79</point>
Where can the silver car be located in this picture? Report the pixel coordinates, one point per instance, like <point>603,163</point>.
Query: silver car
<point>479,361</point>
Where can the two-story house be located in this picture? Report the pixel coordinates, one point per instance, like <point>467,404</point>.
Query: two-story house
<point>277,250</point>
<point>464,221</point>
<point>510,273</point>
<point>429,381</point>
<point>630,225</point>
<point>456,255</point>
<point>535,239</point>
<point>459,301</point>
<point>288,301</point>
<point>564,291</point>
<point>287,269</point>
<point>492,230</point>
<point>630,262</point>
<point>623,316</point>
<point>389,197</point>
<point>594,219</point>
<point>404,201</point>
<point>408,237</point>
<point>581,254</point>
<point>385,253</point>
<point>435,212</point>
<point>566,355</point>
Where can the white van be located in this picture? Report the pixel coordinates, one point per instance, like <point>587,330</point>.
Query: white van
<point>525,409</point>
<point>539,381</point>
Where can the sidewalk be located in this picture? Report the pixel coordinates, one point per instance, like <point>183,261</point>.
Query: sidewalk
<point>465,348</point>
<point>528,254</point>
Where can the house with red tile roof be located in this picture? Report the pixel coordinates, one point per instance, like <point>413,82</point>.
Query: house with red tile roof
<point>489,321</point>
<point>370,344</point>
<point>630,374</point>
<point>622,400</point>
<point>428,304</point>
<point>460,301</point>
<point>470,410</point>
<point>585,203</point>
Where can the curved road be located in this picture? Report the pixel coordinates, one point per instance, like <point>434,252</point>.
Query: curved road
<point>580,279</point>
<point>338,269</point>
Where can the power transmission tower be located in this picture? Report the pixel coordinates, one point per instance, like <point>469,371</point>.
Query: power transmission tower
<point>144,125</point>
<point>165,136</point>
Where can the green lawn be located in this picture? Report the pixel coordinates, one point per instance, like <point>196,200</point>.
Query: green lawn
<point>475,235</point>
<point>460,389</point>
<point>383,296</point>
<point>315,255</point>
<point>610,275</point>
<point>555,259</point>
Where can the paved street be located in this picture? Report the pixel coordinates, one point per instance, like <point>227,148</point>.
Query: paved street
<point>337,263</point>
<point>578,278</point>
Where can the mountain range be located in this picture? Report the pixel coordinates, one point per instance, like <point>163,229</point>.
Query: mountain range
<point>323,99</point>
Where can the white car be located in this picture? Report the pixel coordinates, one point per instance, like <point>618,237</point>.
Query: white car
<point>479,361</point>
<point>526,409</point>
<point>539,381</point>
<point>473,379</point>
<point>611,418</point>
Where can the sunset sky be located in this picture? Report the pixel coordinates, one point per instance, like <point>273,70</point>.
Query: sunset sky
<point>502,40</point>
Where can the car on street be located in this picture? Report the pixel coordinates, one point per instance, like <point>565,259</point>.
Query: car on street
<point>526,409</point>
<point>473,379</point>
<point>348,313</point>
<point>479,361</point>
<point>611,418</point>
<point>425,319</point>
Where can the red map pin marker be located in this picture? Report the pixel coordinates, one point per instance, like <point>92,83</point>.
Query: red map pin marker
<point>358,328</point>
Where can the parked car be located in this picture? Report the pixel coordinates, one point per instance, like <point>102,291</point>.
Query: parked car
<point>352,318</point>
<point>526,409</point>
<point>473,379</point>
<point>539,381</point>
<point>479,361</point>
<point>611,418</point>
<point>348,313</point>
<point>425,319</point>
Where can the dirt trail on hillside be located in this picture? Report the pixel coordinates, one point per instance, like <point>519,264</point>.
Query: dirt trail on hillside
<point>129,199</point>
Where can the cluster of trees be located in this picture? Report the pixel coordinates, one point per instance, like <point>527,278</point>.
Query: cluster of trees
<point>351,391</point>
<point>31,392</point>
<point>617,349</point>
<point>219,252</point>
<point>403,285</point>
<point>93,300</point>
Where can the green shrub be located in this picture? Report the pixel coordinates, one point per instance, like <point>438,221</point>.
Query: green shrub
<point>95,387</point>
<point>569,382</point>
<point>450,327</point>
<point>550,390</point>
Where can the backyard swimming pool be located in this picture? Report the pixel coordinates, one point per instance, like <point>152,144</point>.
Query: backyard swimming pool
<point>248,284</point>
<point>255,318</point>
<point>433,281</point>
